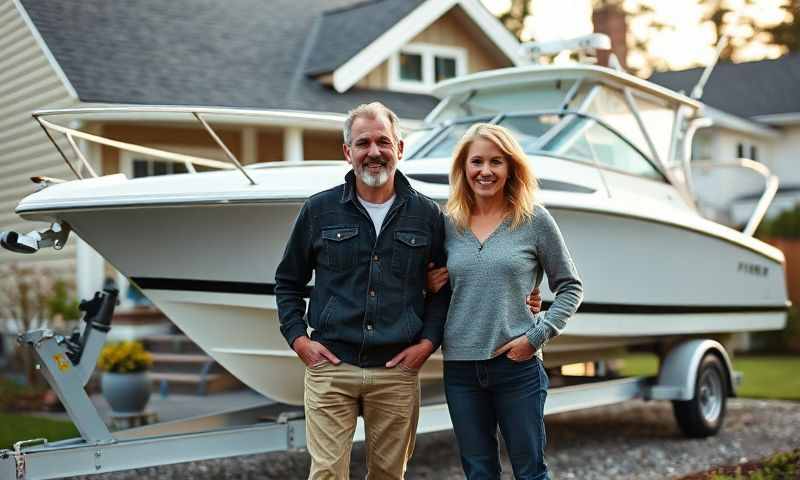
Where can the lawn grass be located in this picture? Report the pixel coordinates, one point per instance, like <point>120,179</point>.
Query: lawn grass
<point>769,377</point>
<point>24,427</point>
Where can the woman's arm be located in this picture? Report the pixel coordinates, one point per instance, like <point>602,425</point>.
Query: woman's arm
<point>562,277</point>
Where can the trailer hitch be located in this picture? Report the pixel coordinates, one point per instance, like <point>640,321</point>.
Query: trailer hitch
<point>55,236</point>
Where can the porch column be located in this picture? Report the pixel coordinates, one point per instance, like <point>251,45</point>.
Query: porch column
<point>89,265</point>
<point>293,144</point>
<point>89,271</point>
<point>249,146</point>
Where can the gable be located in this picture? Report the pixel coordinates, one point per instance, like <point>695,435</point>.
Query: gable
<point>405,30</point>
<point>454,30</point>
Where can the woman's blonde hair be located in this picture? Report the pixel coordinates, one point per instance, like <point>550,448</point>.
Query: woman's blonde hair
<point>520,189</point>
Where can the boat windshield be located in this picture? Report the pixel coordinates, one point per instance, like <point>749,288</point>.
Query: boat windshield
<point>566,135</point>
<point>528,129</point>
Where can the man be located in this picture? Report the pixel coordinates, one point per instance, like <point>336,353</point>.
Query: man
<point>368,242</point>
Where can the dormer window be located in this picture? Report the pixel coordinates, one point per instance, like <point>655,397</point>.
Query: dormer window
<point>417,67</point>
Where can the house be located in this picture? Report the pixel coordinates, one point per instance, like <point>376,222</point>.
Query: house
<point>294,56</point>
<point>755,108</point>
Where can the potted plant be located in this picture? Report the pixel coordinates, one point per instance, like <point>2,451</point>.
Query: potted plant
<point>125,383</point>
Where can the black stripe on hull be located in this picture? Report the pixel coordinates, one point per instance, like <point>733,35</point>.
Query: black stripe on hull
<point>253,288</point>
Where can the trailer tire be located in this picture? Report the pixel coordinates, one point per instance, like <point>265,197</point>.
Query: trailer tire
<point>703,415</point>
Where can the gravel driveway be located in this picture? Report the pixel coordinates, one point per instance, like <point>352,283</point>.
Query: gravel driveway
<point>633,440</point>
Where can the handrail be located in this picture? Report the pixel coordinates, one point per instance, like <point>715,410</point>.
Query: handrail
<point>771,183</point>
<point>188,160</point>
<point>161,154</point>
<point>196,112</point>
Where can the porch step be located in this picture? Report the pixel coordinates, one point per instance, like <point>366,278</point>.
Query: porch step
<point>171,343</point>
<point>183,363</point>
<point>180,366</point>
<point>194,383</point>
<point>139,315</point>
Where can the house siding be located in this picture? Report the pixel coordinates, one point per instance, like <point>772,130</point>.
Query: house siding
<point>785,162</point>
<point>28,81</point>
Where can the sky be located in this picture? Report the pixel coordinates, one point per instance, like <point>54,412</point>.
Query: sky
<point>686,42</point>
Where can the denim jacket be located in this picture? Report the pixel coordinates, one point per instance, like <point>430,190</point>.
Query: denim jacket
<point>368,302</point>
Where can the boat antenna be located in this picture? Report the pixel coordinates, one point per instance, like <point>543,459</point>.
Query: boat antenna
<point>697,91</point>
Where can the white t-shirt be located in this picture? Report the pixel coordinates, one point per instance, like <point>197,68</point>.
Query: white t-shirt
<point>377,211</point>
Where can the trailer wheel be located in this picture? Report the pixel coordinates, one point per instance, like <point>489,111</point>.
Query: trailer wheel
<point>702,416</point>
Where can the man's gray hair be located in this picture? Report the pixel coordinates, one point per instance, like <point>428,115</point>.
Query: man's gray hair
<point>370,110</point>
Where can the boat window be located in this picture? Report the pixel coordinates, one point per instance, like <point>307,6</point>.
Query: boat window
<point>512,99</point>
<point>659,120</point>
<point>528,129</point>
<point>150,168</point>
<point>415,139</point>
<point>610,107</point>
<point>588,140</point>
<point>444,143</point>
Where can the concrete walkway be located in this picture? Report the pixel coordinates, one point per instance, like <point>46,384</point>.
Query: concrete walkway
<point>176,407</point>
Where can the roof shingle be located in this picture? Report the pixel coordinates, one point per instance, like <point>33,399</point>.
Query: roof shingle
<point>746,89</point>
<point>238,53</point>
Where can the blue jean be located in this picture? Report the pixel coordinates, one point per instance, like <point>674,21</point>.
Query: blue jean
<point>483,395</point>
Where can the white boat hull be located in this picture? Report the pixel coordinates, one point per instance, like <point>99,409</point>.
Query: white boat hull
<point>210,267</point>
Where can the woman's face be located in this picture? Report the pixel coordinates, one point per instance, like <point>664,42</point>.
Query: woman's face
<point>486,169</point>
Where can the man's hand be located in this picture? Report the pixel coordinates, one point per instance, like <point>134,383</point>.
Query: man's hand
<point>414,356</point>
<point>436,278</point>
<point>518,350</point>
<point>313,353</point>
<point>534,300</point>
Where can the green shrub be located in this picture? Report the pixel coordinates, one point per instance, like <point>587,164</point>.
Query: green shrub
<point>785,225</point>
<point>786,340</point>
<point>781,466</point>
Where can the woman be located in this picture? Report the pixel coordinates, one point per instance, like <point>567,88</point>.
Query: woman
<point>499,243</point>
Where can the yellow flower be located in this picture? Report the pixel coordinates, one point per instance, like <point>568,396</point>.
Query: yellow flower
<point>124,357</point>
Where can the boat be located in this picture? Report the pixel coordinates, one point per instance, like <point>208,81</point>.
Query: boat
<point>612,154</point>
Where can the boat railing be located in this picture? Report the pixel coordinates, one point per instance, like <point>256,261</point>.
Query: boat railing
<point>200,114</point>
<point>770,187</point>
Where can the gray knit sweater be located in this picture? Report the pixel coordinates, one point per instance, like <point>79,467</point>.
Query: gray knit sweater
<point>490,283</point>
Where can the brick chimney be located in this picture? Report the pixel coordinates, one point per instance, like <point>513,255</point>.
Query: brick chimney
<point>610,19</point>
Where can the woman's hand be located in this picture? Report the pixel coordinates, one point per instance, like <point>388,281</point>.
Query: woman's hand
<point>436,278</point>
<point>534,301</point>
<point>518,350</point>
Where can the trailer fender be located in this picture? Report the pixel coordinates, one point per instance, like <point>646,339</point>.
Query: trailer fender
<point>678,373</point>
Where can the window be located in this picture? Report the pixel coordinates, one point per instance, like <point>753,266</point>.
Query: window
<point>739,150</point>
<point>445,68</point>
<point>417,67</point>
<point>151,168</point>
<point>753,153</point>
<point>588,140</point>
<point>411,67</point>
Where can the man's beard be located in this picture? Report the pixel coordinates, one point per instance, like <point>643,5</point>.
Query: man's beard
<point>376,180</point>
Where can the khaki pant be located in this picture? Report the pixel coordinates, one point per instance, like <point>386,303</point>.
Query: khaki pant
<point>389,401</point>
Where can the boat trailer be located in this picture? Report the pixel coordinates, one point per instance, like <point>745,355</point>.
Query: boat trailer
<point>695,375</point>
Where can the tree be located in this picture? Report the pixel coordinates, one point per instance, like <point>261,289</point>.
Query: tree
<point>514,18</point>
<point>24,296</point>
<point>788,33</point>
<point>751,37</point>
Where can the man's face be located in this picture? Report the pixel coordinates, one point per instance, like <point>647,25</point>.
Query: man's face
<point>374,151</point>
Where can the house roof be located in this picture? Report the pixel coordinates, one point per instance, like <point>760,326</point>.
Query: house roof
<point>747,89</point>
<point>335,43</point>
<point>239,53</point>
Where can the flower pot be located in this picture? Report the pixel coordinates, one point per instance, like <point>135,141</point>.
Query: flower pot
<point>126,392</point>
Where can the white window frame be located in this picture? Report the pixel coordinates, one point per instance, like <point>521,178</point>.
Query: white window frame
<point>428,52</point>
